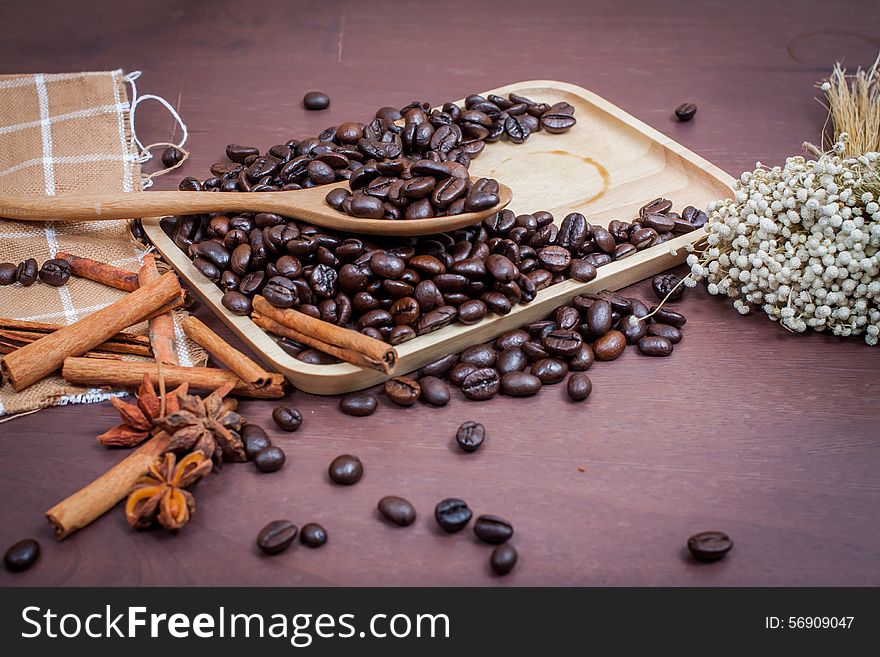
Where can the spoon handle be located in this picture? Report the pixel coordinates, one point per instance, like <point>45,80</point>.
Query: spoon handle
<point>128,205</point>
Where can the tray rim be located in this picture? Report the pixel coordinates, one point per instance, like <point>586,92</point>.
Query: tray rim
<point>344,377</point>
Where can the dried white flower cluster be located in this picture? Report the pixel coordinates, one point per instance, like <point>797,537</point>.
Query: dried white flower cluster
<point>800,242</point>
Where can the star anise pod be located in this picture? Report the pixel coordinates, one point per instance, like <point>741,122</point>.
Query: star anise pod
<point>139,419</point>
<point>159,495</point>
<point>208,425</point>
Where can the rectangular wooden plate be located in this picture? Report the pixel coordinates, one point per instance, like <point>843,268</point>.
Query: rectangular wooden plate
<point>606,167</point>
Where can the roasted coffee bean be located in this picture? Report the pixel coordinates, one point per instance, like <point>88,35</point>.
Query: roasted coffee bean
<point>366,207</point>
<point>434,391</point>
<point>599,317</point>
<point>280,292</point>
<point>277,536</point>
<point>654,345</point>
<point>26,272</point>
<point>55,272</point>
<point>512,359</point>
<point>610,346</point>
<point>685,111</point>
<point>582,360</point>
<point>633,331</point>
<point>555,123</point>
<point>554,258</point>
<point>22,555</point>
<point>562,342</point>
<point>659,205</point>
<point>520,384</point>
<point>624,251</point>
<point>440,367</point>
<point>346,470</point>
<point>471,312</point>
<point>581,270</point>
<point>436,319</point>
<point>236,303</point>
<point>503,559</point>
<point>316,100</point>
<point>515,338</point>
<point>269,459</point>
<point>171,157</point>
<point>254,439</point>
<point>668,287</point>
<point>665,331</point>
<point>549,370</point>
<point>403,390</point>
<point>7,273</point>
<point>501,268</point>
<point>709,546</point>
<point>493,529</point>
<point>481,384</point>
<point>659,222</point>
<point>460,372</point>
<point>397,510</point>
<point>670,317</point>
<point>358,404</point>
<point>470,436</point>
<point>643,238</point>
<point>579,387</point>
<point>313,535</point>
<point>452,514</point>
<point>287,418</point>
<point>481,355</point>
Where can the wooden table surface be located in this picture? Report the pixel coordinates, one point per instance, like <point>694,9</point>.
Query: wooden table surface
<point>768,436</point>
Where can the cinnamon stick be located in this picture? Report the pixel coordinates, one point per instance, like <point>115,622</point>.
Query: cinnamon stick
<point>40,358</point>
<point>127,374</point>
<point>161,326</point>
<point>100,272</point>
<point>101,495</point>
<point>8,324</point>
<point>350,346</point>
<point>112,346</point>
<point>246,369</point>
<point>9,347</point>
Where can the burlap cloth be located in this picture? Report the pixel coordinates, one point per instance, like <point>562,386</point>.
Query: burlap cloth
<point>65,133</point>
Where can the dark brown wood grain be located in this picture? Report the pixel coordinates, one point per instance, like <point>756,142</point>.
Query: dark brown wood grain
<point>768,436</point>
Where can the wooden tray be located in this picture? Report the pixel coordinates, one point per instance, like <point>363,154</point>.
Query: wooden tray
<point>606,167</point>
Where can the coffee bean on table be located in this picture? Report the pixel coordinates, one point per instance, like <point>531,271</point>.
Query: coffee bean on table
<point>346,470</point>
<point>709,545</point>
<point>452,514</point>
<point>55,272</point>
<point>520,384</point>
<point>654,345</point>
<point>269,459</point>
<point>236,303</point>
<point>358,404</point>
<point>665,316</point>
<point>481,384</point>
<point>665,331</point>
<point>254,439</point>
<point>579,387</point>
<point>403,390</point>
<point>493,529</point>
<point>460,372</point>
<point>277,536</point>
<point>397,510</point>
<point>667,284</point>
<point>8,272</point>
<point>609,346</point>
<point>685,111</point>
<point>171,156</point>
<point>434,391</point>
<point>22,555</point>
<point>26,272</point>
<point>313,535</point>
<point>550,370</point>
<point>287,418</point>
<point>316,100</point>
<point>503,559</point>
<point>470,436</point>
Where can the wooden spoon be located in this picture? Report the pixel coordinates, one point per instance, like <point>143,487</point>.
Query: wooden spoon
<point>304,204</point>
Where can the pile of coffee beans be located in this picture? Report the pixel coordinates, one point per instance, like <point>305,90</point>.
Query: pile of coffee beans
<point>259,449</point>
<point>54,272</point>
<point>394,290</point>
